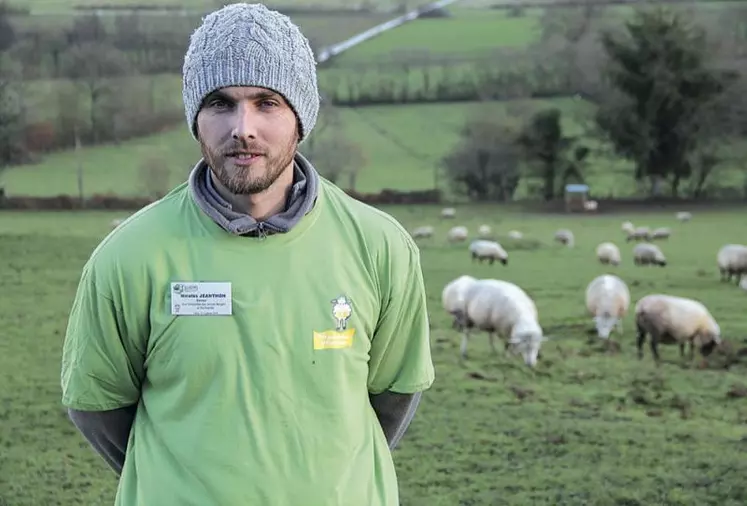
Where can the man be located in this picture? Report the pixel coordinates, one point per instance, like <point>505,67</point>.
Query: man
<point>256,337</point>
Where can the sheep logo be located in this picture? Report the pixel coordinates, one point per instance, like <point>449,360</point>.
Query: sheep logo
<point>341,311</point>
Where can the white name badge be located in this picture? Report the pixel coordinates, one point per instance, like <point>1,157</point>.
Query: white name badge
<point>201,299</point>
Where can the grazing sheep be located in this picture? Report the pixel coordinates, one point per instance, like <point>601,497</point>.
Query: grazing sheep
<point>591,205</point>
<point>500,307</point>
<point>628,227</point>
<point>452,298</point>
<point>648,254</point>
<point>640,233</point>
<point>675,320</point>
<point>608,254</point>
<point>565,237</point>
<point>448,212</point>
<point>661,233</point>
<point>607,300</point>
<point>484,231</point>
<point>684,216</point>
<point>732,261</point>
<point>515,234</point>
<point>458,234</point>
<point>488,250</point>
<point>426,231</point>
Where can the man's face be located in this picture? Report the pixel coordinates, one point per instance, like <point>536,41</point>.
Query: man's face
<point>248,136</point>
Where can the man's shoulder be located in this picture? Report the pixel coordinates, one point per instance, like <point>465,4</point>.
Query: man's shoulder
<point>150,227</point>
<point>378,225</point>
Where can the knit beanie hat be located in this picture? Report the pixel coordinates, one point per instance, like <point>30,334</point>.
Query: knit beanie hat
<point>249,45</point>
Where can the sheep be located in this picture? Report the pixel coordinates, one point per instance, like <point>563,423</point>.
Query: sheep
<point>732,261</point>
<point>500,307</point>
<point>607,300</point>
<point>484,231</point>
<point>684,216</point>
<point>638,234</point>
<point>452,298</point>
<point>116,222</point>
<point>425,231</point>
<point>648,254</point>
<point>608,254</point>
<point>488,250</point>
<point>515,234</point>
<point>565,237</point>
<point>661,233</point>
<point>458,234</point>
<point>675,320</point>
<point>628,227</point>
<point>591,205</point>
<point>448,212</point>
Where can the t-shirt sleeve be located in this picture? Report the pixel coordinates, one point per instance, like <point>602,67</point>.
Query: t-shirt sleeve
<point>102,355</point>
<point>400,353</point>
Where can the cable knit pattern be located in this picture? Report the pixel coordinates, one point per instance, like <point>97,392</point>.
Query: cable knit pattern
<point>250,45</point>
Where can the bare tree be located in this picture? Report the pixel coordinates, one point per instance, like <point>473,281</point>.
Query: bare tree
<point>93,67</point>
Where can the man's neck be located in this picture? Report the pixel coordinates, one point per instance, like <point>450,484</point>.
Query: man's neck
<point>259,206</point>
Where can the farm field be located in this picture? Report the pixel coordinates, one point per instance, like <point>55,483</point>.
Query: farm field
<point>403,146</point>
<point>205,5</point>
<point>590,427</point>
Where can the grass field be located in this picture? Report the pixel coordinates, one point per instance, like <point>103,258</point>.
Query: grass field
<point>403,146</point>
<point>42,6</point>
<point>593,428</point>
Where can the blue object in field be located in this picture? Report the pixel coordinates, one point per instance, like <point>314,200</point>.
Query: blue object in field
<point>576,188</point>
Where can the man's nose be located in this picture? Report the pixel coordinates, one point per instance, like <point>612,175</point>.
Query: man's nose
<point>245,122</point>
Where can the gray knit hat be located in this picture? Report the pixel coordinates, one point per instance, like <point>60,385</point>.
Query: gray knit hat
<point>249,45</point>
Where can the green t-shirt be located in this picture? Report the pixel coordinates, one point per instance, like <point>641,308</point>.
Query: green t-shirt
<point>268,406</point>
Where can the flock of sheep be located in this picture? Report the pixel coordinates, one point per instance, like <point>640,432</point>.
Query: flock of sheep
<point>504,309</point>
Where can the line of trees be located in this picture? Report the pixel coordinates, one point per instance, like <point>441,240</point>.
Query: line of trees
<point>665,102</point>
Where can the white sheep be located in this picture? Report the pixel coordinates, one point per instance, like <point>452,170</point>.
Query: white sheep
<point>661,233</point>
<point>500,307</point>
<point>591,205</point>
<point>607,301</point>
<point>608,254</point>
<point>684,216</point>
<point>458,234</point>
<point>515,234</point>
<point>116,222</point>
<point>732,261</point>
<point>648,254</point>
<point>448,212</point>
<point>488,250</point>
<point>452,298</point>
<point>628,227</point>
<point>565,237</point>
<point>425,231</point>
<point>675,320</point>
<point>484,231</point>
<point>640,233</point>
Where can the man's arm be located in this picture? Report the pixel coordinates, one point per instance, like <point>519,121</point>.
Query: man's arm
<point>395,412</point>
<point>107,431</point>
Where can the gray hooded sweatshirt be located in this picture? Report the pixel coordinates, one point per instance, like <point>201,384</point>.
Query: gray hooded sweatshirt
<point>108,431</point>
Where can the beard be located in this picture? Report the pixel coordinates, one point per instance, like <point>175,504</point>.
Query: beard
<point>258,177</point>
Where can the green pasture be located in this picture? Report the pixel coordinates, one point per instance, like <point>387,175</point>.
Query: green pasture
<point>41,6</point>
<point>403,146</point>
<point>589,427</point>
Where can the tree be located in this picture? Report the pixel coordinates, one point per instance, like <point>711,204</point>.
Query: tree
<point>335,155</point>
<point>93,67</point>
<point>12,117</point>
<point>550,151</point>
<point>661,83</point>
<point>484,165</point>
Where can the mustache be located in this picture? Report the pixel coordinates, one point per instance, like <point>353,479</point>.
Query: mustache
<point>244,147</point>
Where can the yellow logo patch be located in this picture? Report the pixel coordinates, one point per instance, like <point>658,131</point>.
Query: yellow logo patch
<point>333,339</point>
